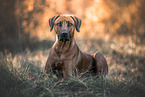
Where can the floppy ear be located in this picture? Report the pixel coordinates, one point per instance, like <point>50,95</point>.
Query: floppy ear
<point>51,22</point>
<point>77,22</point>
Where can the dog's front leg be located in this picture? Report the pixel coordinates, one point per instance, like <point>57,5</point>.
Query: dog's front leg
<point>48,66</point>
<point>67,70</point>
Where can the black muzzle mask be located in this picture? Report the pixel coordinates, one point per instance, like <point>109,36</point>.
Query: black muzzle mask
<point>64,36</point>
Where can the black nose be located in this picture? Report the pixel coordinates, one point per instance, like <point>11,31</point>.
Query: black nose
<point>64,34</point>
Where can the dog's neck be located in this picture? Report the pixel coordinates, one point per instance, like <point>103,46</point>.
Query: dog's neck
<point>63,47</point>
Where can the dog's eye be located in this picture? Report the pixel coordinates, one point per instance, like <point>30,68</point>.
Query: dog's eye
<point>59,24</point>
<point>69,24</point>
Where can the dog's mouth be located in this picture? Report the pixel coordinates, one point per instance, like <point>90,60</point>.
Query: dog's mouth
<point>64,37</point>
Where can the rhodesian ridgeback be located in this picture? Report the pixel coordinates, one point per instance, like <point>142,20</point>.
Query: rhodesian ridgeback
<point>65,58</point>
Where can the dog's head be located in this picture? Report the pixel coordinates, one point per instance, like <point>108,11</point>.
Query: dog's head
<point>64,26</point>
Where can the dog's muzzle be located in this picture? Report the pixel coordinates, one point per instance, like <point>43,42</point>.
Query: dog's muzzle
<point>64,36</point>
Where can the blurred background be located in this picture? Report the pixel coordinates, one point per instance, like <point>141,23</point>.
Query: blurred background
<point>25,22</point>
<point>114,27</point>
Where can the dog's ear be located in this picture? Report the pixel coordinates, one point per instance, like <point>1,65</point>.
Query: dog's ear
<point>51,22</point>
<point>77,22</point>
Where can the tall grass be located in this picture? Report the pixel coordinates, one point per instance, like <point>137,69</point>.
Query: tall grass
<point>25,78</point>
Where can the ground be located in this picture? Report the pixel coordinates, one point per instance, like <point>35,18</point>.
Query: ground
<point>22,73</point>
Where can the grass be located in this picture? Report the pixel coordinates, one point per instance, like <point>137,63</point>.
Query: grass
<point>21,75</point>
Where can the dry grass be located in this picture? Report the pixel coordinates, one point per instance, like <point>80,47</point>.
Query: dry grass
<point>22,74</point>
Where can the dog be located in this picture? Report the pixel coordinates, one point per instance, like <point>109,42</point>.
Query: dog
<point>65,58</point>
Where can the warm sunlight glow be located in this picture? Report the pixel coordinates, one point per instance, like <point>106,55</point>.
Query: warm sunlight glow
<point>97,0</point>
<point>98,16</point>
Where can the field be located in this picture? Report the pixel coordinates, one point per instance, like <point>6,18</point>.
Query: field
<point>22,73</point>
